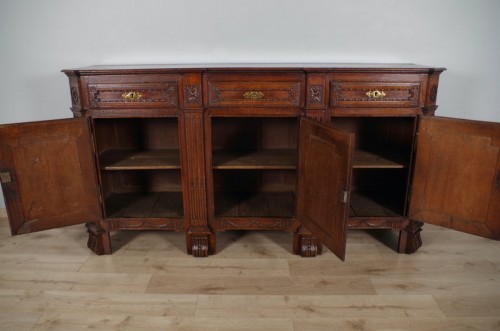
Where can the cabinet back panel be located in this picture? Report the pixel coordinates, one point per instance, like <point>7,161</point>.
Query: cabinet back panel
<point>255,181</point>
<point>380,134</point>
<point>252,133</point>
<point>140,181</point>
<point>157,133</point>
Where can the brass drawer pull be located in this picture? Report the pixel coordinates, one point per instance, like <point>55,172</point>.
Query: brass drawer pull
<point>375,94</point>
<point>132,96</point>
<point>253,95</point>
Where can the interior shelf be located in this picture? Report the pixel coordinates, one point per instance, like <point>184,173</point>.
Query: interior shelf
<point>255,204</point>
<point>147,204</point>
<point>368,160</point>
<point>261,159</point>
<point>162,159</point>
<point>373,205</point>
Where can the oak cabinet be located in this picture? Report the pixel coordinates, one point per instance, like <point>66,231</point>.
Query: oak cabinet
<point>314,150</point>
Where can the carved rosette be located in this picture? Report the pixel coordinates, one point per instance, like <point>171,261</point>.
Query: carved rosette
<point>316,93</point>
<point>192,94</point>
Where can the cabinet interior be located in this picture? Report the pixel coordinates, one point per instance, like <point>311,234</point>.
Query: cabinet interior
<point>381,164</point>
<point>254,164</point>
<point>139,164</point>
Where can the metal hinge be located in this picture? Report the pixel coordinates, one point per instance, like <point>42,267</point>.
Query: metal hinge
<point>343,196</point>
<point>5,177</point>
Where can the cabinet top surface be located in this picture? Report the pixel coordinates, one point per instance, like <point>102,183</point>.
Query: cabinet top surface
<point>101,69</point>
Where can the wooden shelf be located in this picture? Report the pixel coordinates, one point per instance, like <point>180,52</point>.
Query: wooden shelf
<point>374,205</point>
<point>149,204</point>
<point>263,159</point>
<point>368,160</point>
<point>162,159</point>
<point>257,204</point>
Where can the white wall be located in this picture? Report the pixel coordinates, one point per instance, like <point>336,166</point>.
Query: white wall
<point>38,38</point>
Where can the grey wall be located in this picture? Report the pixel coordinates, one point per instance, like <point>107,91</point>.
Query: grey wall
<point>39,38</point>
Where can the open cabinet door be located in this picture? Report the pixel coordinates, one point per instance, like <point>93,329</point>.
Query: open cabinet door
<point>456,182</point>
<point>324,174</point>
<point>48,175</point>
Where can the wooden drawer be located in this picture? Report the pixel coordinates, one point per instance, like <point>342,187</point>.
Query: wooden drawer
<point>133,95</point>
<point>374,94</point>
<point>255,91</point>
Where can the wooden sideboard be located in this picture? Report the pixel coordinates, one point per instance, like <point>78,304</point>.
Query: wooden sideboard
<point>312,149</point>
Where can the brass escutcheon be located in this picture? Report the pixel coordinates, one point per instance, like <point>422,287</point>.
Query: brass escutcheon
<point>132,96</point>
<point>253,95</point>
<point>375,94</point>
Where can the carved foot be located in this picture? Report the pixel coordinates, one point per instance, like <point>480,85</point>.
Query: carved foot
<point>199,246</point>
<point>409,238</point>
<point>309,246</point>
<point>99,241</point>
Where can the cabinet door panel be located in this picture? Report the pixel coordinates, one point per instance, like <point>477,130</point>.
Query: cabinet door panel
<point>457,176</point>
<point>324,173</point>
<point>48,175</point>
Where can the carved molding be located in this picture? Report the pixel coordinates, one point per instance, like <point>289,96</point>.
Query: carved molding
<point>360,90</point>
<point>166,94</point>
<point>171,224</point>
<point>292,90</point>
<point>374,224</point>
<point>282,225</point>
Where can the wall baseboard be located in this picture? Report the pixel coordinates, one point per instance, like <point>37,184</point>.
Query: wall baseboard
<point>3,212</point>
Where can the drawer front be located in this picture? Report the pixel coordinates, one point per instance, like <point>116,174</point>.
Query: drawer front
<point>374,94</point>
<point>134,95</point>
<point>254,93</point>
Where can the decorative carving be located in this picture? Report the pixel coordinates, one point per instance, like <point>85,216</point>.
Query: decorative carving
<point>98,239</point>
<point>199,246</point>
<point>433,93</point>
<point>316,94</point>
<point>192,94</point>
<point>170,224</point>
<point>358,92</point>
<point>413,241</point>
<point>114,95</point>
<point>292,90</point>
<point>281,225</point>
<point>308,246</point>
<point>75,97</point>
<point>377,223</point>
<point>195,169</point>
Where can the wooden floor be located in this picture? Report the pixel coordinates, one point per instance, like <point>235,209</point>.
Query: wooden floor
<point>51,281</point>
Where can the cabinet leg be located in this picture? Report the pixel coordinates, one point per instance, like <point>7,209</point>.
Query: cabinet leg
<point>409,237</point>
<point>99,241</point>
<point>306,245</point>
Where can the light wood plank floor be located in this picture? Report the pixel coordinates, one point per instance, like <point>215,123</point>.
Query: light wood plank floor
<point>51,281</point>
